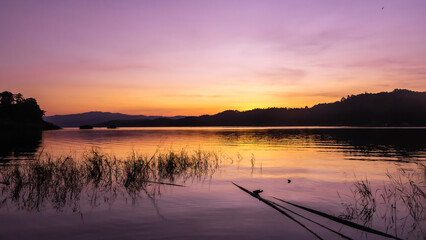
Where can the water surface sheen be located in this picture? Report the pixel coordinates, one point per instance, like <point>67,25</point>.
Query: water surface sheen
<point>322,163</point>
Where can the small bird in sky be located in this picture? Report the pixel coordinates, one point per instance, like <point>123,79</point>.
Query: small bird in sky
<point>257,191</point>
<point>289,181</point>
<point>383,7</point>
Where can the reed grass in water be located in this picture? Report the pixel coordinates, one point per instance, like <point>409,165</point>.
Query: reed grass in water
<point>400,202</point>
<point>60,182</point>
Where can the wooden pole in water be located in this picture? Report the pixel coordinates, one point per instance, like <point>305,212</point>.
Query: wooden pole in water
<point>310,220</point>
<point>276,208</point>
<point>342,221</point>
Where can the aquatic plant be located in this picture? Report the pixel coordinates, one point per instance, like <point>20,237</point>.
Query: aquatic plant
<point>61,182</point>
<point>399,202</point>
<point>363,205</point>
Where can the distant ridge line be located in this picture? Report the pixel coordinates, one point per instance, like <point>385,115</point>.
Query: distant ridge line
<point>95,117</point>
<point>400,107</point>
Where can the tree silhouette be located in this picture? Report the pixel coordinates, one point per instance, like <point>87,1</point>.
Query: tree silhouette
<point>6,98</point>
<point>17,112</point>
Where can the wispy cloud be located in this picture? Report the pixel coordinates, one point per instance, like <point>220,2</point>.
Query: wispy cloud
<point>189,95</point>
<point>282,75</point>
<point>310,94</point>
<point>97,65</point>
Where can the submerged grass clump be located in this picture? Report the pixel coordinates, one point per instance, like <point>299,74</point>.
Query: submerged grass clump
<point>171,165</point>
<point>61,182</point>
<point>364,205</point>
<point>400,202</point>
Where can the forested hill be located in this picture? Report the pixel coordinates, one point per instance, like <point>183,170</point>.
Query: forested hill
<point>91,118</point>
<point>95,117</point>
<point>396,108</point>
<point>17,112</point>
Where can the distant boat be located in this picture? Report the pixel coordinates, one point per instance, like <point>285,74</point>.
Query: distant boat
<point>86,127</point>
<point>112,126</point>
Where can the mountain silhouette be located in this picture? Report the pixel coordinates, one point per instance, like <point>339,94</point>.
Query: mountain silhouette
<point>95,117</point>
<point>400,107</point>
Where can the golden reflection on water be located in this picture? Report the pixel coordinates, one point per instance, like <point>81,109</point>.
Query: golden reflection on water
<point>303,153</point>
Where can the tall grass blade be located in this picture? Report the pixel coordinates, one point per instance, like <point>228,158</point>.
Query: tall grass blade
<point>164,183</point>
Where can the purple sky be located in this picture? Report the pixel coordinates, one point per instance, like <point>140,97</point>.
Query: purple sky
<point>196,57</point>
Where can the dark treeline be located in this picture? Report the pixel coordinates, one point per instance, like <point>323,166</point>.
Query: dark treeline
<point>91,118</point>
<point>397,108</point>
<point>17,112</point>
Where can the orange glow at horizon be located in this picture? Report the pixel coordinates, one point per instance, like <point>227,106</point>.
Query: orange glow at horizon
<point>149,104</point>
<point>195,58</point>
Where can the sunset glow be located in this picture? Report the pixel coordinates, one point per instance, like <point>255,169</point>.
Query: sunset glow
<point>203,57</point>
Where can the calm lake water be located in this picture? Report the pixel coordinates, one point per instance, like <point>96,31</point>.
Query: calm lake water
<point>323,164</point>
